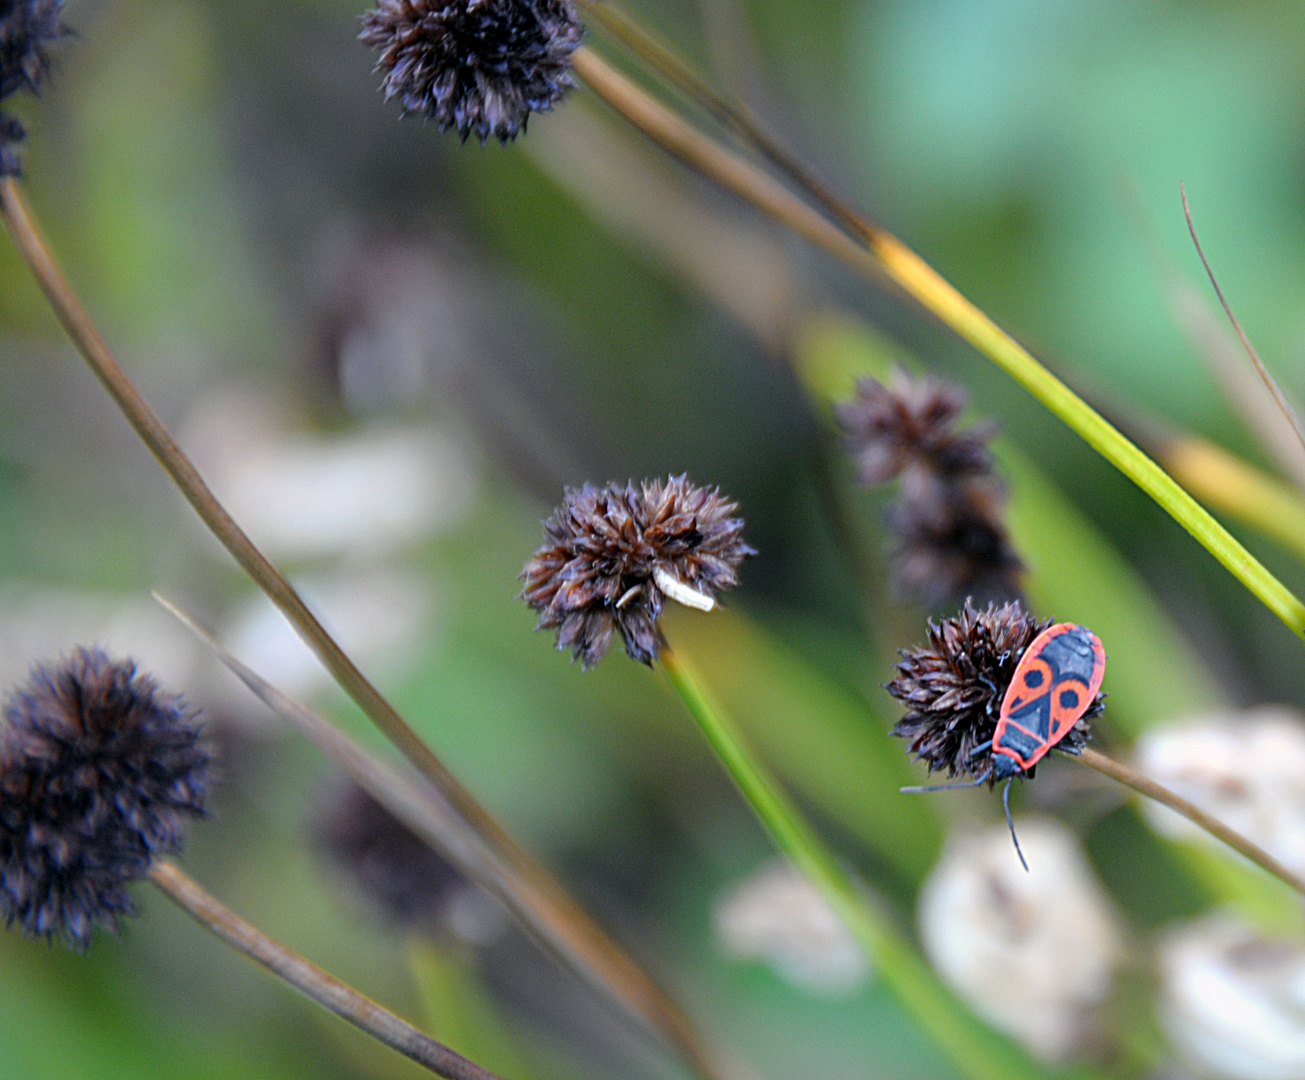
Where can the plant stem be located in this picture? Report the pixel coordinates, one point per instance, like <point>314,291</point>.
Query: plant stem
<point>883,254</point>
<point>323,987</point>
<point>1237,488</point>
<point>976,1050</point>
<point>412,801</point>
<point>1143,786</point>
<point>574,934</point>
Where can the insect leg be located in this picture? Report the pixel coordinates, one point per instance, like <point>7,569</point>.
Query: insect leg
<point>1005,802</point>
<point>945,787</point>
<point>981,748</point>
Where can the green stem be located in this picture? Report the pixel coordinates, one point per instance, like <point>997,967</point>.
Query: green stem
<point>975,1049</point>
<point>877,253</point>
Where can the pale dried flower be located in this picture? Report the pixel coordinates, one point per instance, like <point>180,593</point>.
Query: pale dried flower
<point>1233,1000</point>
<point>1247,769</point>
<point>1031,951</point>
<point>776,915</point>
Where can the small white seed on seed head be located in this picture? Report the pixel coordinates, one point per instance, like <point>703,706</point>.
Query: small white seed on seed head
<point>682,593</point>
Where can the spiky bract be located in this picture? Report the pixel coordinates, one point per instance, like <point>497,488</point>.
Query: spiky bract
<point>953,685</point>
<point>595,575</point>
<point>480,67</point>
<point>26,28</point>
<point>949,539</point>
<point>99,770</point>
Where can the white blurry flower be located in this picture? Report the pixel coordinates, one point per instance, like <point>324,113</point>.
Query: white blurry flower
<point>1032,951</point>
<point>381,618</point>
<point>301,495</point>
<point>39,624</point>
<point>777,915</point>
<point>1234,1001</point>
<point>1246,769</point>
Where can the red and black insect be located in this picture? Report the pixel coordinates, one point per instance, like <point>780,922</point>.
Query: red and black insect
<point>1055,683</point>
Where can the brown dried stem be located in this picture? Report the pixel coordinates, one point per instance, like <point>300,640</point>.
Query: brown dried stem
<point>644,44</point>
<point>1285,406</point>
<point>566,926</point>
<point>306,977</point>
<point>1143,786</point>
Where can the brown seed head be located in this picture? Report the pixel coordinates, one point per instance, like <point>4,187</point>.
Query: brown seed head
<point>478,66</point>
<point>888,428</point>
<point>100,770</point>
<point>953,686</point>
<point>950,542</point>
<point>596,574</point>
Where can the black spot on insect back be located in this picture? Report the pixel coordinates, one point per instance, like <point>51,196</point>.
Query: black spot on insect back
<point>99,771</point>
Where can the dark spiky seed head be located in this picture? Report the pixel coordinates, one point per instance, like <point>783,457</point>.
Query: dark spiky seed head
<point>594,576</point>
<point>888,428</point>
<point>478,66</point>
<point>392,868</point>
<point>26,28</point>
<point>953,685</point>
<point>950,542</point>
<point>99,770</point>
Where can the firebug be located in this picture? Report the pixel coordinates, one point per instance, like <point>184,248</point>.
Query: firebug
<point>1055,682</point>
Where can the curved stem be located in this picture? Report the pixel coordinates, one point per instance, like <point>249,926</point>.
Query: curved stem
<point>600,961</point>
<point>883,254</point>
<point>306,977</point>
<point>976,1050</point>
<point>1143,786</point>
<point>412,801</point>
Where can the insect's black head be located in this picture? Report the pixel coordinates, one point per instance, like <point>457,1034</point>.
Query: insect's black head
<point>1004,767</point>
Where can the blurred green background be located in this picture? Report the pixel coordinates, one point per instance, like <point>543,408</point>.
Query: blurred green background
<point>389,351</point>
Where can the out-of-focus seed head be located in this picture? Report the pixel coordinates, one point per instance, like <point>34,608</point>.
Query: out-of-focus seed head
<point>390,866</point>
<point>26,28</point>
<point>953,685</point>
<point>612,552</point>
<point>949,539</point>
<point>99,770</point>
<point>888,428</point>
<point>950,543</point>
<point>478,66</point>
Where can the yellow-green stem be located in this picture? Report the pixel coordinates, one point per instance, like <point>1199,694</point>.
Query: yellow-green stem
<point>876,252</point>
<point>975,1049</point>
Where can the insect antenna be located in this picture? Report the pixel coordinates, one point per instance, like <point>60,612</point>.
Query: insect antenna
<point>945,787</point>
<point>1005,803</point>
<point>1293,418</point>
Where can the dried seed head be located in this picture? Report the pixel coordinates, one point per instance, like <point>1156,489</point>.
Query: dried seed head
<point>953,686</point>
<point>479,66</point>
<point>99,770</point>
<point>912,421</point>
<point>392,867</point>
<point>949,541</point>
<point>614,554</point>
<point>26,27</point>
